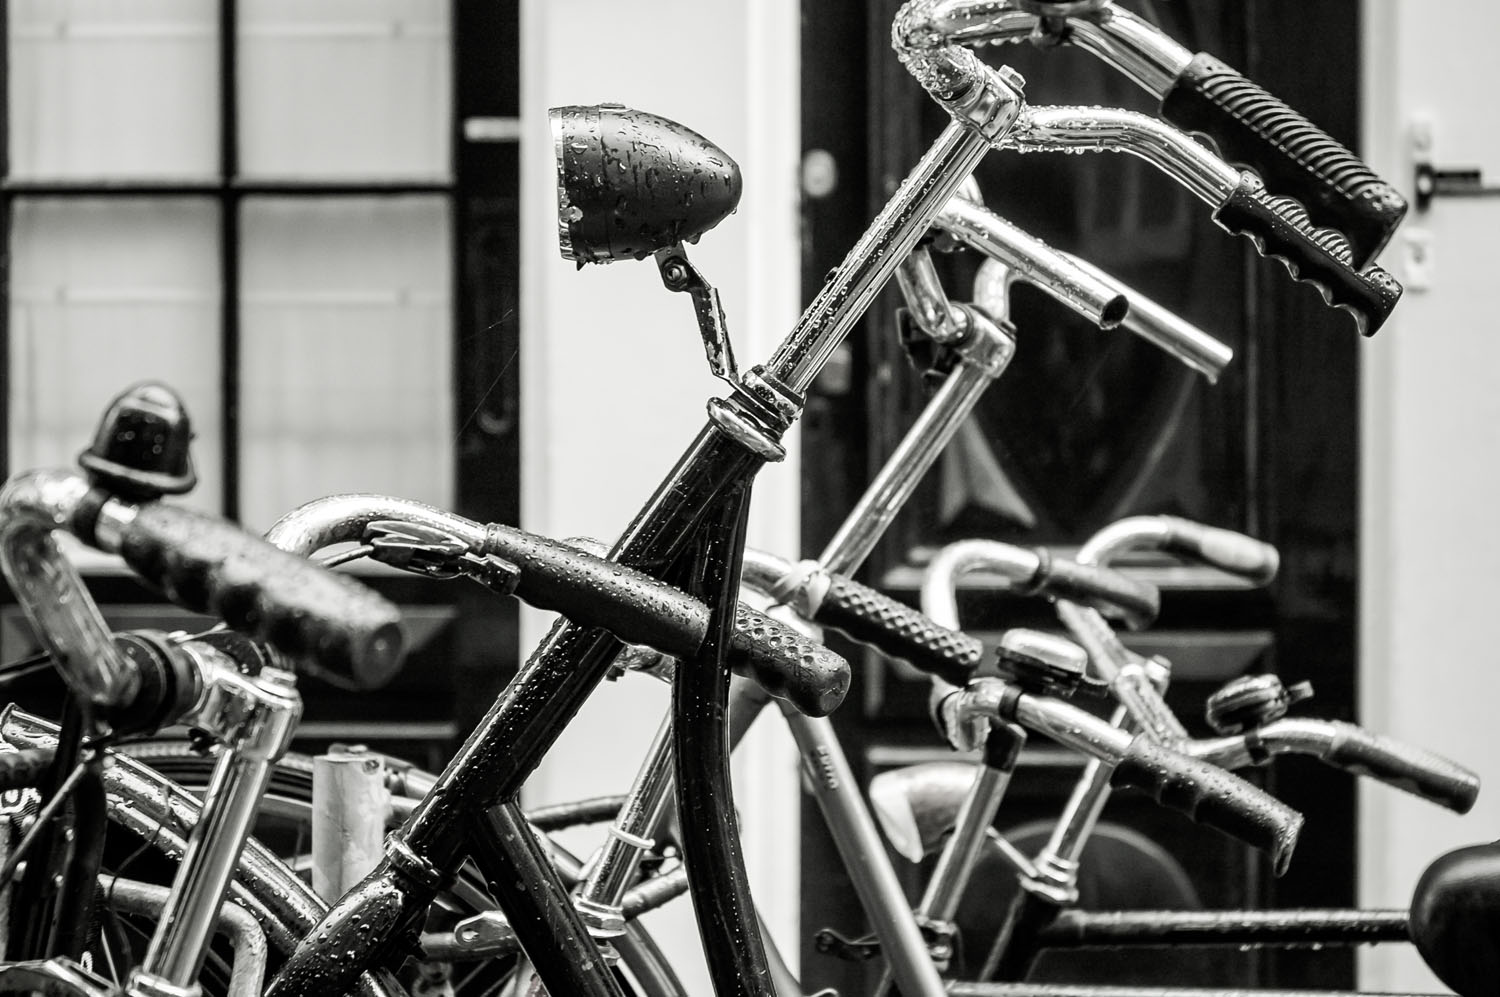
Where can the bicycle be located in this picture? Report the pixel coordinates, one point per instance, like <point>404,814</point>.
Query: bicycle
<point>708,490</point>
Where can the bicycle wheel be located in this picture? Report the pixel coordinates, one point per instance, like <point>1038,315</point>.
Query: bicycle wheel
<point>285,825</point>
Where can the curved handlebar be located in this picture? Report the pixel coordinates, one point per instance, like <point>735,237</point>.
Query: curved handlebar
<point>1202,791</point>
<point>1351,748</point>
<point>593,591</point>
<point>1199,93</point>
<point>321,620</point>
<point>1279,229</point>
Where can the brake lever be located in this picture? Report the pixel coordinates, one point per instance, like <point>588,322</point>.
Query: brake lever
<point>433,553</point>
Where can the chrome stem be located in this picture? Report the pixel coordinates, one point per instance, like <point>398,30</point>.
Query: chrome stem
<point>984,357</point>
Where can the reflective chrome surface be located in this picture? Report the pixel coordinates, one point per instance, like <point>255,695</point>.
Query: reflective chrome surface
<point>984,356</point>
<point>1108,129</point>
<point>1032,260</point>
<point>32,507</point>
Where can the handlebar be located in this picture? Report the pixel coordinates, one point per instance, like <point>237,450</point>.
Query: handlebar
<point>1278,228</point>
<point>1351,748</point>
<point>324,622</point>
<point>1199,93</point>
<point>1033,571</point>
<point>1201,791</point>
<point>593,591</point>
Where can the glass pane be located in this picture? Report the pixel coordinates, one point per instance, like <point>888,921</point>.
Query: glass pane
<point>105,294</point>
<point>346,338</point>
<point>104,89</point>
<point>344,88</point>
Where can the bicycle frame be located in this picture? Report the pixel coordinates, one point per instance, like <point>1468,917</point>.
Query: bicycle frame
<point>690,531</point>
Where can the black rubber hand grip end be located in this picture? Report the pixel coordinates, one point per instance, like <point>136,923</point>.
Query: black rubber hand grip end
<point>898,631</point>
<point>1253,560</point>
<point>1404,766</point>
<point>1280,230</point>
<point>1211,796</point>
<point>789,666</point>
<point>1100,587</point>
<point>331,623</point>
<point>1293,156</point>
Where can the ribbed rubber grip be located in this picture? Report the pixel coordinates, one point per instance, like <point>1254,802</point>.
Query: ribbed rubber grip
<point>330,623</point>
<point>786,664</point>
<point>898,631</point>
<point>1293,156</point>
<point>1211,796</point>
<point>24,769</point>
<point>640,609</point>
<point>1100,587</point>
<point>1253,560</point>
<point>1280,230</point>
<point>1404,766</point>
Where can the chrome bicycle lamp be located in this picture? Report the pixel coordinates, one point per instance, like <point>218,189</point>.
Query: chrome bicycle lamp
<point>630,183</point>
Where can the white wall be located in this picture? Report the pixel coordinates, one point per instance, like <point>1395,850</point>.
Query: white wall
<point>1431,455</point>
<point>612,336</point>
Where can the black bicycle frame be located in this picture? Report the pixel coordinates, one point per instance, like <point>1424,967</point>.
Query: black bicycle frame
<point>709,487</point>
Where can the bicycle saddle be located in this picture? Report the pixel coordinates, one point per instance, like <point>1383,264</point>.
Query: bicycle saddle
<point>630,183</point>
<point>1455,919</point>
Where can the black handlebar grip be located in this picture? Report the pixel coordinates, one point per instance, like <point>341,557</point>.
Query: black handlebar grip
<point>898,631</point>
<point>1253,560</point>
<point>1404,766</point>
<point>1101,587</point>
<point>1280,230</point>
<point>1293,156</point>
<point>786,664</point>
<point>205,564</point>
<point>639,609</point>
<point>1211,796</point>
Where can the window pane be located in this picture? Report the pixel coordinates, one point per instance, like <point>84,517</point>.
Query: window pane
<point>105,294</point>
<point>346,330</point>
<point>344,88</point>
<point>104,89</point>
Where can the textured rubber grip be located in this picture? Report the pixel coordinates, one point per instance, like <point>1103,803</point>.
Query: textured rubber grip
<point>1253,560</point>
<point>640,609</point>
<point>786,664</point>
<point>1293,156</point>
<point>898,631</point>
<point>1280,230</point>
<point>327,622</point>
<point>1211,796</point>
<point>1101,588</point>
<point>1404,766</point>
<point>24,769</point>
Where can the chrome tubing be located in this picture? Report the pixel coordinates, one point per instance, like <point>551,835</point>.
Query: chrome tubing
<point>33,506</point>
<point>342,518</point>
<point>1032,260</point>
<point>939,599</point>
<point>1120,38</point>
<point>614,865</point>
<point>983,105</point>
<point>984,355</point>
<point>247,973</point>
<point>1106,129</point>
<point>1165,329</point>
<point>254,717</point>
